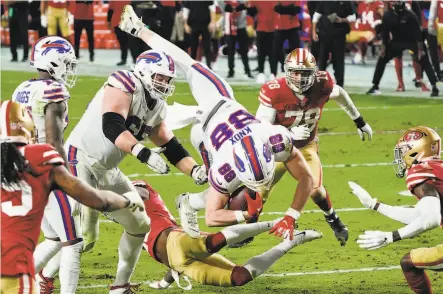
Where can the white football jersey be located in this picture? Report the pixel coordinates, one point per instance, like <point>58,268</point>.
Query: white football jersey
<point>36,95</point>
<point>88,135</point>
<point>229,125</point>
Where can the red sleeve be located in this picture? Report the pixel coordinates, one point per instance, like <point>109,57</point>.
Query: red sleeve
<point>42,157</point>
<point>419,174</point>
<point>265,95</point>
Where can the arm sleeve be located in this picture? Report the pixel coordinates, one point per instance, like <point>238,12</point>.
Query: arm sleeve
<point>404,215</point>
<point>266,113</point>
<point>109,15</point>
<point>342,98</point>
<point>432,13</point>
<point>316,17</point>
<point>428,217</point>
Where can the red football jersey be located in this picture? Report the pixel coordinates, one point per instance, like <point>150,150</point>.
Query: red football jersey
<point>22,210</point>
<point>428,171</point>
<point>161,218</point>
<point>367,15</point>
<point>440,12</point>
<point>291,111</point>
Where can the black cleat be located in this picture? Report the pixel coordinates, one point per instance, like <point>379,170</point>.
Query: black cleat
<point>374,91</point>
<point>241,243</point>
<point>435,92</point>
<point>340,230</point>
<point>230,74</point>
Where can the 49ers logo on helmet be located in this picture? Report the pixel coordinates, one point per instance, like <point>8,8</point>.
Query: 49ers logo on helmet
<point>413,136</point>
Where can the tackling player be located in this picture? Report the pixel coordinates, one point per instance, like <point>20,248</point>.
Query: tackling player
<point>47,99</point>
<point>296,102</point>
<point>197,258</point>
<point>244,150</point>
<point>417,155</point>
<point>29,172</point>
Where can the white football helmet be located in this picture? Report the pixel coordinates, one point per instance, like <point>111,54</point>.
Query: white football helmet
<point>254,163</point>
<point>151,63</point>
<point>56,56</point>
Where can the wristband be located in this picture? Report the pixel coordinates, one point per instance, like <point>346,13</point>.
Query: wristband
<point>239,216</point>
<point>359,122</point>
<point>295,214</point>
<point>135,150</point>
<point>376,206</point>
<point>396,236</point>
<point>163,283</point>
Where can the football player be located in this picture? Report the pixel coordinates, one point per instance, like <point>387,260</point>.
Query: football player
<point>198,258</point>
<point>129,107</point>
<point>417,155</point>
<point>369,13</point>
<point>244,150</point>
<point>28,174</point>
<point>47,98</point>
<point>296,102</point>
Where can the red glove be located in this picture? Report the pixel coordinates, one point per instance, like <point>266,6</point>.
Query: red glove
<point>255,203</point>
<point>284,227</point>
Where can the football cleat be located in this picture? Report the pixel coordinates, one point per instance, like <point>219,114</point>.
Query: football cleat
<point>46,285</point>
<point>127,288</point>
<point>188,216</point>
<point>374,91</point>
<point>435,92</point>
<point>340,230</point>
<point>400,87</point>
<point>130,22</point>
<point>241,243</point>
<point>300,237</point>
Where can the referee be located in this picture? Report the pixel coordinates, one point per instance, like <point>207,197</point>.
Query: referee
<point>406,33</point>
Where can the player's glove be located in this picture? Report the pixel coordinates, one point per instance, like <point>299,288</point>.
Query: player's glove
<point>300,132</point>
<point>364,197</point>
<point>199,174</point>
<point>372,240</point>
<point>130,23</point>
<point>70,18</point>
<point>134,201</point>
<point>151,157</point>
<point>160,285</point>
<point>44,20</point>
<point>431,29</point>
<point>255,205</point>
<point>285,227</point>
<point>363,128</point>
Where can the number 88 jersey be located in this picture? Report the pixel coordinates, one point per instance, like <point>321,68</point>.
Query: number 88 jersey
<point>293,109</point>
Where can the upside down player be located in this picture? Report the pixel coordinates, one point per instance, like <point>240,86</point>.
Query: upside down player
<point>29,172</point>
<point>296,102</point>
<point>243,148</point>
<point>417,155</point>
<point>197,258</point>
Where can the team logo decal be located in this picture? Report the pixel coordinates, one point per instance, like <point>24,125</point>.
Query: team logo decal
<point>61,46</point>
<point>151,57</point>
<point>413,136</point>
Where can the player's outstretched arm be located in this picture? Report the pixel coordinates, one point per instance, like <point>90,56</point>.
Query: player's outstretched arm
<point>342,98</point>
<point>164,283</point>
<point>176,154</point>
<point>131,24</point>
<point>97,199</point>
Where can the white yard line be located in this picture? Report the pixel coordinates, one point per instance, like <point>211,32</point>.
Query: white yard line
<point>330,272</point>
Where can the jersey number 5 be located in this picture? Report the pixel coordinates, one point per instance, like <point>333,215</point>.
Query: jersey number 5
<point>309,117</point>
<point>23,192</point>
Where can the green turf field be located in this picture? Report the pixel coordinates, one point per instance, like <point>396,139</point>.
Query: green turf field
<point>318,267</point>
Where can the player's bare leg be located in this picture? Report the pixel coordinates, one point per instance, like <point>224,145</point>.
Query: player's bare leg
<point>417,278</point>
<point>321,197</point>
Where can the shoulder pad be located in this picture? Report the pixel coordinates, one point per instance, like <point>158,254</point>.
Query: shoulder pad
<point>418,174</point>
<point>123,80</point>
<point>54,91</point>
<point>42,157</point>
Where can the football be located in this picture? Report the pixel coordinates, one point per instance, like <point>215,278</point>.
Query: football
<point>237,201</point>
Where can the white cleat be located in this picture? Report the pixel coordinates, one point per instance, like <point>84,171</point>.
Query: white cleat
<point>301,237</point>
<point>130,22</point>
<point>188,216</point>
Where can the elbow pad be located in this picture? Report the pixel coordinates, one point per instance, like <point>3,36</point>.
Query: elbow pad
<point>113,124</point>
<point>174,151</point>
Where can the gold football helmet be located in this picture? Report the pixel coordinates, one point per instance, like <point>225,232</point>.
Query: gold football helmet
<point>300,69</point>
<point>16,123</point>
<point>416,143</point>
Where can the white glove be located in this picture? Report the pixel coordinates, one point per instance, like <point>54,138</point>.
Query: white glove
<point>432,30</point>
<point>199,174</point>
<point>363,195</point>
<point>160,285</point>
<point>135,201</point>
<point>151,157</point>
<point>70,18</point>
<point>130,23</point>
<point>363,128</point>
<point>300,132</point>
<point>372,240</point>
<point>44,20</point>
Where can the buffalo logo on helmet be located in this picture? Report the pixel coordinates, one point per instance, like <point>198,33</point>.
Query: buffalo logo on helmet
<point>413,136</point>
<point>61,46</point>
<point>151,57</point>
